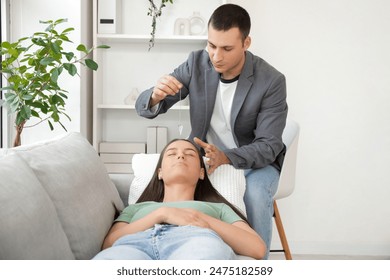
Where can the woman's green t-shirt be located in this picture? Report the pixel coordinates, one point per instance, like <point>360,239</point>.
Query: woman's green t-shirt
<point>219,211</point>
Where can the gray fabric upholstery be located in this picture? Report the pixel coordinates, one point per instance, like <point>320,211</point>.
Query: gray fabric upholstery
<point>67,182</point>
<point>29,227</point>
<point>122,183</point>
<point>57,200</point>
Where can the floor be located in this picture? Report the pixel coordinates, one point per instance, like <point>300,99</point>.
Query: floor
<point>280,256</point>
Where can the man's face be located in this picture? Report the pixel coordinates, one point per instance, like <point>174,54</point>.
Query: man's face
<point>227,51</point>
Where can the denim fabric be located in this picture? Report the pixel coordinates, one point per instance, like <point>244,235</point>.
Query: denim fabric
<point>169,242</point>
<point>261,186</point>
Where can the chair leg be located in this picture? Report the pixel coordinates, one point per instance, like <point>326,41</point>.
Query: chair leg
<point>282,235</point>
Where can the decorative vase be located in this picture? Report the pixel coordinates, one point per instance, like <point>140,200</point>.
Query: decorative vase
<point>182,27</point>
<point>132,97</point>
<point>197,24</point>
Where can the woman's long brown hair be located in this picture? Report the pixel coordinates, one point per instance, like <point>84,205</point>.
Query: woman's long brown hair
<point>204,190</point>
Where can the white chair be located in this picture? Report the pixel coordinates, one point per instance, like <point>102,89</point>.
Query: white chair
<point>287,179</point>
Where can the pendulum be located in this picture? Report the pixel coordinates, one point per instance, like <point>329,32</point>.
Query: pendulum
<point>180,125</point>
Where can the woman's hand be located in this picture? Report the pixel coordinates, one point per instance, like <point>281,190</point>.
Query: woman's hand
<point>239,235</point>
<point>183,217</point>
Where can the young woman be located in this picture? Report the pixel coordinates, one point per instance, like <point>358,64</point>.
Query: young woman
<point>181,216</point>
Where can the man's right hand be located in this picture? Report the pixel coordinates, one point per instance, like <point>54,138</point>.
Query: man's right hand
<point>166,85</point>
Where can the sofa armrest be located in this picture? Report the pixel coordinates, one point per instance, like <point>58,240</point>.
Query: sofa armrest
<point>122,183</point>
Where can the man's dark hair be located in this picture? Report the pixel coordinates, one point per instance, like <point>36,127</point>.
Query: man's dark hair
<point>228,16</point>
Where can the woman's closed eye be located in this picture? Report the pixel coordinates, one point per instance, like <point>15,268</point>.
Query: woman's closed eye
<point>186,152</point>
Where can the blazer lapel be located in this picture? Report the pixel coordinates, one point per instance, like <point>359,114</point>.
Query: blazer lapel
<point>244,85</point>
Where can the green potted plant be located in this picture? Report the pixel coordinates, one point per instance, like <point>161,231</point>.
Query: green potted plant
<point>31,66</point>
<point>155,12</point>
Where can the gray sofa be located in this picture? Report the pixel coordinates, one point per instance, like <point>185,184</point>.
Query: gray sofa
<point>56,200</point>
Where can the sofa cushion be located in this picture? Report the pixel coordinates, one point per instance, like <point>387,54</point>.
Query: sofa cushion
<point>29,225</point>
<point>85,199</point>
<point>229,181</point>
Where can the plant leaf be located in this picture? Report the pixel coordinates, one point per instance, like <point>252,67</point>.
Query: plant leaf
<point>64,38</point>
<point>82,48</point>
<point>55,116</point>
<point>61,20</point>
<point>54,75</point>
<point>71,68</point>
<point>50,125</point>
<point>6,45</point>
<point>58,100</point>
<point>91,64</point>
<point>10,97</point>
<point>56,48</point>
<point>63,126</point>
<point>35,114</point>
<point>19,118</point>
<point>103,47</point>
<point>14,105</point>
<point>27,97</point>
<point>6,88</point>
<point>63,95</point>
<point>66,116</point>
<point>67,30</point>
<point>69,55</point>
<point>25,112</point>
<point>46,21</point>
<point>46,60</point>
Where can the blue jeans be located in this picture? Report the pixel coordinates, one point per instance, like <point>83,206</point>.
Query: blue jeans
<point>261,186</point>
<point>169,242</point>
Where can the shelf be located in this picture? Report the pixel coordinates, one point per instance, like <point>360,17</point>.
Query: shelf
<point>132,107</point>
<point>128,38</point>
<point>130,64</point>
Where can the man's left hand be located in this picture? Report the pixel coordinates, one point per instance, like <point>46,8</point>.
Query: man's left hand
<point>214,156</point>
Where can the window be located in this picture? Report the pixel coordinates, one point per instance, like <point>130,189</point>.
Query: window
<point>4,8</point>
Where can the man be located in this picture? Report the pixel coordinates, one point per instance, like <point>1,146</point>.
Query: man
<point>238,109</point>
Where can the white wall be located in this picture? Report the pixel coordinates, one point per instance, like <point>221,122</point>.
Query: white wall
<point>25,17</point>
<point>336,58</point>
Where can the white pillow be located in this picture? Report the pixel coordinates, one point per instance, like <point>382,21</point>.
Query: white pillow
<point>143,167</point>
<point>229,181</point>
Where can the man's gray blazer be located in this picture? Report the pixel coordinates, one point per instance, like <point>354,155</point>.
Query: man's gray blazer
<point>259,109</point>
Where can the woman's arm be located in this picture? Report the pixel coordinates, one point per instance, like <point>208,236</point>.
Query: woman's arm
<point>120,229</point>
<point>239,235</point>
<point>168,215</point>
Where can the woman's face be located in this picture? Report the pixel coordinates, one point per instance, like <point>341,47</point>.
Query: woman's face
<point>181,164</point>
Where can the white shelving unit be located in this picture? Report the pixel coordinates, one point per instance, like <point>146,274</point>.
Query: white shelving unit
<point>125,38</point>
<point>129,64</point>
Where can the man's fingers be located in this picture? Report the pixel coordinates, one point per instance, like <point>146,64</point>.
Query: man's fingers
<point>174,82</point>
<point>172,85</point>
<point>200,143</point>
<point>211,169</point>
